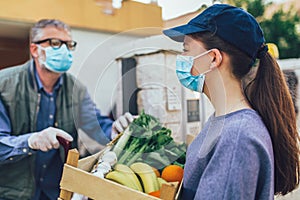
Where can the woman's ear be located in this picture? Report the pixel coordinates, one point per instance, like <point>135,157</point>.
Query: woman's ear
<point>216,58</point>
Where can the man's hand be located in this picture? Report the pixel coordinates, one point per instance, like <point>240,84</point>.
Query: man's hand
<point>121,124</point>
<point>46,139</point>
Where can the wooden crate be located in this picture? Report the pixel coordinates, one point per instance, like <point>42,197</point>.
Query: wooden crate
<point>76,178</point>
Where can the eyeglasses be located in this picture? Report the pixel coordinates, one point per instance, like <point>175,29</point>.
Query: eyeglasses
<point>57,43</point>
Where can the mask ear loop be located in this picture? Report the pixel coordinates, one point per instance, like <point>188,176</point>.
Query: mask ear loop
<point>206,52</point>
<point>202,54</point>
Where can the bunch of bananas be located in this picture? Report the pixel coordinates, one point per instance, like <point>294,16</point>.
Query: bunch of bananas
<point>139,176</point>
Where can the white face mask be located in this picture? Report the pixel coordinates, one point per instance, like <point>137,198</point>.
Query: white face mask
<point>184,65</point>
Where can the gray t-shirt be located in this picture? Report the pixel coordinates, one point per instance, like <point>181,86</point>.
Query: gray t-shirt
<point>232,158</point>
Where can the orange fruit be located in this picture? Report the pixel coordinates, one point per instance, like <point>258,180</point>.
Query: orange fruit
<point>157,173</point>
<point>155,193</point>
<point>172,173</point>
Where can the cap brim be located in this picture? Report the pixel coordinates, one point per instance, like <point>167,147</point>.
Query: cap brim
<point>177,33</point>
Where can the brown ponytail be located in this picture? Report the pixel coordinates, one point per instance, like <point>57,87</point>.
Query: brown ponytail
<point>269,96</point>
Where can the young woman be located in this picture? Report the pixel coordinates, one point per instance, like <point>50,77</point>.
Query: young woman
<point>248,149</point>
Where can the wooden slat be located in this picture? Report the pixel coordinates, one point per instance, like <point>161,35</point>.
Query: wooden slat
<point>72,160</point>
<point>85,183</point>
<point>168,191</point>
<point>81,181</point>
<point>179,190</point>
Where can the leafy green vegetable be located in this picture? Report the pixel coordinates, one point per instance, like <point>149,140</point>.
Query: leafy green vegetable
<point>147,139</point>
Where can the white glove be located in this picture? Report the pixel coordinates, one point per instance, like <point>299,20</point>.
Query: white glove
<point>46,139</point>
<point>121,124</point>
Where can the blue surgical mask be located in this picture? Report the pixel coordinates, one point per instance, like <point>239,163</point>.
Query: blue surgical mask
<point>184,65</point>
<point>57,60</point>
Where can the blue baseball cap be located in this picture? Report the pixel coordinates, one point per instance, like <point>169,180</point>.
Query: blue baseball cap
<point>232,24</point>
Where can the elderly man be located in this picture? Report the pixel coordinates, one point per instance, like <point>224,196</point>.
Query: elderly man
<point>41,107</point>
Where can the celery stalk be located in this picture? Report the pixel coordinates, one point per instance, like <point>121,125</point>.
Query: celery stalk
<point>118,148</point>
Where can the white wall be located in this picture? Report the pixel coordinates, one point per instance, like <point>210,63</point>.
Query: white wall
<point>94,64</point>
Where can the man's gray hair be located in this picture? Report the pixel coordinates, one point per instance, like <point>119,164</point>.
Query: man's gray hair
<point>37,30</point>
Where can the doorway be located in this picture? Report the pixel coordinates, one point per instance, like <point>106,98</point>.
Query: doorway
<point>14,43</point>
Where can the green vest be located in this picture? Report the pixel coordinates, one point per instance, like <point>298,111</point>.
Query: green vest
<point>18,92</point>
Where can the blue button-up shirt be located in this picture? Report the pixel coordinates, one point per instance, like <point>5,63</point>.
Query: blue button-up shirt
<point>49,165</point>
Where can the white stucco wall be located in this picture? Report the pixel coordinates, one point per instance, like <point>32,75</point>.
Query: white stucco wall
<point>94,64</point>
